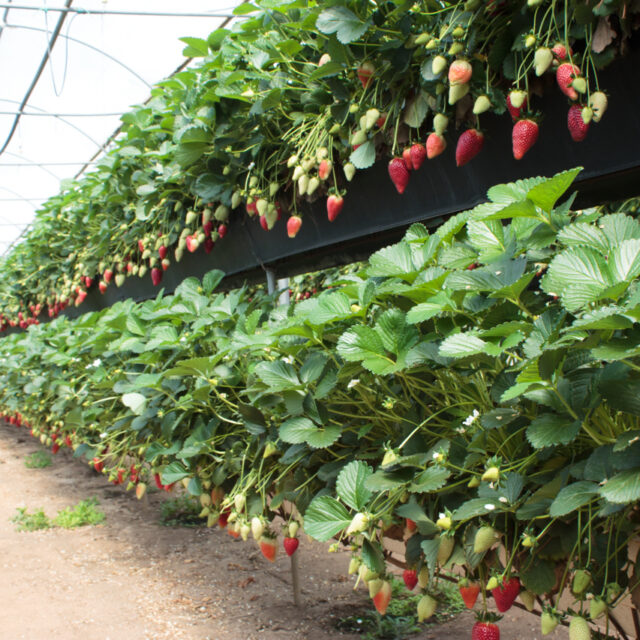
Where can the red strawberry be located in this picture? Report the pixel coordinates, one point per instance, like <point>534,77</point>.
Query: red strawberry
<point>469,146</point>
<point>208,245</point>
<point>365,72</point>
<point>485,631</point>
<point>418,154</point>
<point>523,137</point>
<point>469,593</point>
<point>505,594</point>
<point>399,174</point>
<point>166,263</point>
<point>98,465</point>
<point>410,578</point>
<point>290,545</point>
<point>222,230</point>
<point>251,208</point>
<point>410,525</point>
<point>156,477</point>
<point>293,226</point>
<point>87,283</point>
<point>120,477</point>
<point>334,206</point>
<point>141,245</point>
<point>55,448</point>
<point>233,533</point>
<point>67,441</point>
<point>156,276</point>
<point>223,518</point>
<point>264,223</point>
<point>578,128</point>
<point>108,274</point>
<point>324,169</point>
<point>134,473</point>
<point>460,72</point>
<point>406,157</point>
<point>382,598</point>
<point>207,228</point>
<point>162,252</point>
<point>516,112</point>
<point>564,77</point>
<point>102,285</point>
<point>436,144</point>
<point>560,50</point>
<point>268,548</point>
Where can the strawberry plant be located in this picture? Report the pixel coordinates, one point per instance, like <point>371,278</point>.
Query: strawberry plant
<point>471,390</point>
<point>269,119</point>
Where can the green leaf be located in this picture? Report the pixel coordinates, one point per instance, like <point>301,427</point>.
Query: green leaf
<point>244,8</point>
<point>461,345</point>
<point>350,484</point>
<point>476,507</point>
<point>430,480</point>
<point>363,344</point>
<point>397,336</point>
<point>546,194</point>
<point>343,22</point>
<point>373,557</point>
<point>325,517</point>
<point>313,367</point>
<point>583,234</point>
<point>539,577</point>
<point>278,375</point>
<point>619,227</point>
<point>416,110</point>
<point>395,260</point>
<point>211,280</point>
<point>364,156</point>
<point>386,481</point>
<point>624,260</point>
<point>300,429</point>
<point>623,487</point>
<point>196,48</point>
<point>135,401</point>
<point>550,429</point>
<point>173,472</point>
<point>573,497</point>
<point>622,395</point>
<point>327,70</point>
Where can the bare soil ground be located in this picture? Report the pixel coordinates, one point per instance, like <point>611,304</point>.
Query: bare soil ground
<point>134,578</point>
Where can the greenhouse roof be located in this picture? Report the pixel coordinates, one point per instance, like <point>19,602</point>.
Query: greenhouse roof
<point>69,70</point>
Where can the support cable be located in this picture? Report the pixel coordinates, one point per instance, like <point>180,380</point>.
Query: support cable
<point>111,12</point>
<point>34,81</point>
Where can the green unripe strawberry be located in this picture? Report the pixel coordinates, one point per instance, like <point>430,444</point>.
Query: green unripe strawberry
<point>492,474</point>
<point>426,607</point>
<point>542,60</point>
<point>457,91</point>
<point>423,577</point>
<point>257,527</point>
<point>492,583</point>
<point>597,607</point>
<point>528,599</point>
<point>445,549</point>
<point>548,622</point>
<point>579,629</point>
<point>485,538</point>
<point>359,523</point>
<point>374,586</point>
<point>354,565</point>
<point>349,171</point>
<point>481,105</point>
<point>581,580</point>
<point>444,522</point>
<point>474,482</point>
<point>438,65</point>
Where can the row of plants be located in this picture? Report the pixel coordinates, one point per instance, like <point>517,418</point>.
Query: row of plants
<point>474,391</point>
<point>286,106</point>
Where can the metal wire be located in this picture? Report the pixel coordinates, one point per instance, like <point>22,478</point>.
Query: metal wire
<point>60,115</point>
<point>36,77</point>
<point>109,12</point>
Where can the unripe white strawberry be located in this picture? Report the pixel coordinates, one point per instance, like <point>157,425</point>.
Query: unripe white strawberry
<point>598,102</point>
<point>548,622</point>
<point>438,65</point>
<point>426,607</point>
<point>257,527</point>
<point>358,523</point>
<point>349,171</point>
<point>485,538</point>
<point>440,122</point>
<point>481,105</point>
<point>579,629</point>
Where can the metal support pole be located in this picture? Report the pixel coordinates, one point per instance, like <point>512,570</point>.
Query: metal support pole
<point>283,285</point>
<point>271,280</point>
<point>295,581</point>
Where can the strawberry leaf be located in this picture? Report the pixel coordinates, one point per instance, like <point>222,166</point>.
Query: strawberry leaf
<point>351,484</point>
<point>325,517</point>
<point>573,497</point>
<point>343,22</point>
<point>364,156</point>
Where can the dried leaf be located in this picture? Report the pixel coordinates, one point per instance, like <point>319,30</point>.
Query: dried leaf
<point>603,36</point>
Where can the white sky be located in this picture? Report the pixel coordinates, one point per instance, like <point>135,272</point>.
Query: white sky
<point>79,80</point>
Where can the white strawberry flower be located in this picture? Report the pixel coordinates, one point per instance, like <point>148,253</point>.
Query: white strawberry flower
<point>489,506</point>
<point>472,418</point>
<point>353,383</point>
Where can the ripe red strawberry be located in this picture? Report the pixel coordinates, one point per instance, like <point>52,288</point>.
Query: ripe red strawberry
<point>222,230</point>
<point>252,208</point>
<point>324,169</point>
<point>469,593</point>
<point>365,72</point>
<point>207,228</point>
<point>410,525</point>
<point>156,276</point>
<point>223,518</point>
<point>469,145</point>
<point>134,473</point>
<point>516,112</point>
<point>560,50</point>
<point>141,245</point>
<point>67,441</point>
<point>162,252</point>
<point>208,245</point>
<point>382,598</point>
<point>293,226</point>
<point>334,206</point>
<point>418,154</point>
<point>102,285</point>
<point>268,548</point>
<point>578,128</point>
<point>399,174</point>
<point>485,631</point>
<point>290,545</point>
<point>55,448</point>
<point>564,77</point>
<point>98,465</point>
<point>410,578</point>
<point>87,283</point>
<point>166,263</point>
<point>264,223</point>
<point>505,594</point>
<point>233,533</point>
<point>406,157</point>
<point>120,477</point>
<point>436,144</point>
<point>156,477</point>
<point>108,274</point>
<point>523,137</point>
<point>460,72</point>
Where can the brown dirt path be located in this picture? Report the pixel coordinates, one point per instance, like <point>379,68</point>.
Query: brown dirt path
<point>132,578</point>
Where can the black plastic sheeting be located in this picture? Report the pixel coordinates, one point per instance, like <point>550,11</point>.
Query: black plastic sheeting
<point>375,215</point>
